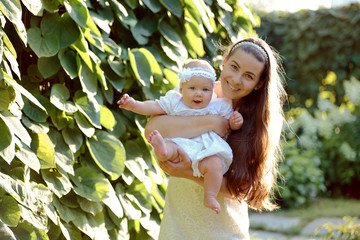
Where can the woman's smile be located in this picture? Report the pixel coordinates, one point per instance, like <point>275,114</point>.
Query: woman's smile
<point>231,86</point>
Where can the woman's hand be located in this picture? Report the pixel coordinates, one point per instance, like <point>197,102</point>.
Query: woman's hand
<point>180,168</point>
<point>219,124</point>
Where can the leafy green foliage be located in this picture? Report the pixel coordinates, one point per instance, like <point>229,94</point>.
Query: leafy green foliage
<point>320,53</point>
<point>73,165</point>
<point>320,49</point>
<point>321,154</point>
<point>350,229</point>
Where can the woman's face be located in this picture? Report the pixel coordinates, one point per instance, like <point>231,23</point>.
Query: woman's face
<point>240,75</point>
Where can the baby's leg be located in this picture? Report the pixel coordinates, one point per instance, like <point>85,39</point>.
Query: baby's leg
<point>211,168</point>
<point>164,150</point>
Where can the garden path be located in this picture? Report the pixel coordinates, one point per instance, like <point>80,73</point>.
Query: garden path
<point>274,227</point>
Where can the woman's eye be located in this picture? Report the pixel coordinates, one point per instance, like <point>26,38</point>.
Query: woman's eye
<point>234,67</point>
<point>249,76</point>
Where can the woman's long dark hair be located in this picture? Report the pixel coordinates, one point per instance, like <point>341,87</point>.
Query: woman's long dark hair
<point>252,174</point>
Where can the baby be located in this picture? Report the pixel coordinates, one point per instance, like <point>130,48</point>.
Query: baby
<point>194,97</point>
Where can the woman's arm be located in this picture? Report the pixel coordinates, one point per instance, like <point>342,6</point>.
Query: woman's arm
<point>183,169</point>
<point>186,127</point>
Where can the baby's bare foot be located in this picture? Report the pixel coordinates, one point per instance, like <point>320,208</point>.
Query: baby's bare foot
<point>158,143</point>
<point>212,203</point>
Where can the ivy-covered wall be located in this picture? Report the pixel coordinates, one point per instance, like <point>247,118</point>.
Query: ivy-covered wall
<point>73,165</point>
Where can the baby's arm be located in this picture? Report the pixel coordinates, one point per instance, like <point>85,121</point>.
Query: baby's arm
<point>236,121</point>
<point>143,108</point>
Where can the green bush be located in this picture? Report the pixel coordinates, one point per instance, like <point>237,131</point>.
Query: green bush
<point>73,165</point>
<point>301,177</point>
<point>321,153</point>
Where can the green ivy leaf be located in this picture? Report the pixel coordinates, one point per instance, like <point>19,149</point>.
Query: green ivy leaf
<point>50,5</point>
<point>4,99</point>
<point>107,119</point>
<point>140,196</point>
<point>77,11</point>
<point>56,182</point>
<point>73,138</point>
<point>93,226</point>
<point>61,120</point>
<point>27,156</point>
<point>173,6</point>
<point>7,146</point>
<point>108,153</point>
<point>48,66</point>
<point>59,96</point>
<point>68,62</point>
<point>63,155</point>
<point>89,206</point>
<point>113,203</point>
<point>140,67</point>
<point>34,113</point>
<point>22,90</point>
<point>44,45</point>
<point>44,149</point>
<point>130,210</point>
<point>10,211</point>
<point>64,27</point>
<point>88,106</point>
<point>154,5</point>
<point>25,231</point>
<point>84,125</point>
<point>34,6</point>
<point>171,77</point>
<point>88,80</point>
<point>5,232</point>
<point>120,128</point>
<point>90,185</point>
<point>12,10</point>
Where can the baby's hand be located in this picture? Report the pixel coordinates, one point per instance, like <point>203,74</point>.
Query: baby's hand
<point>236,120</point>
<point>126,102</point>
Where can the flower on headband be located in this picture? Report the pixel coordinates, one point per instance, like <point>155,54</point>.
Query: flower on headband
<point>187,73</point>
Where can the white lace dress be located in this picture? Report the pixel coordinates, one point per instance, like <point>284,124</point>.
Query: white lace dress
<point>185,217</point>
<point>207,144</point>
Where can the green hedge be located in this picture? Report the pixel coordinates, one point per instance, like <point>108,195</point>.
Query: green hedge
<point>320,49</point>
<point>72,165</point>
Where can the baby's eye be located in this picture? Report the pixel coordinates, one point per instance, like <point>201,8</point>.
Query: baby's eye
<point>205,89</point>
<point>192,88</point>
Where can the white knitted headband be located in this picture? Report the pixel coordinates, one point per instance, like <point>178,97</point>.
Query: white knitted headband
<point>187,73</point>
<point>254,45</point>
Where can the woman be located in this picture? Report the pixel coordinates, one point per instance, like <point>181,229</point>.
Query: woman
<point>250,77</point>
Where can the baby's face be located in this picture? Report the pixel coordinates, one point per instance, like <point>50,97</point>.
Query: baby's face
<point>197,92</point>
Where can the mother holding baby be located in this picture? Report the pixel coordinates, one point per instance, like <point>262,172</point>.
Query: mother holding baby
<point>251,78</point>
